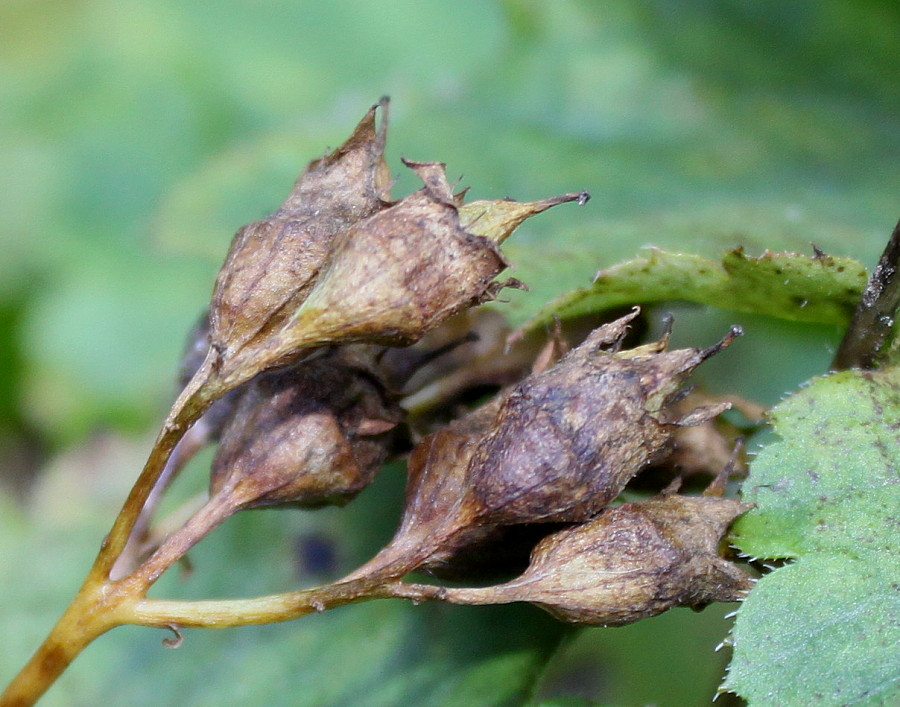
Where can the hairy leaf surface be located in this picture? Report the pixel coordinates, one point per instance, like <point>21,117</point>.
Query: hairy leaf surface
<point>825,629</point>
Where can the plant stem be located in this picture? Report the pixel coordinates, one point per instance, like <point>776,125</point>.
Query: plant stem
<point>194,400</point>
<point>103,603</point>
<point>874,321</point>
<point>470,596</point>
<point>194,439</point>
<point>90,614</point>
<point>216,510</point>
<point>99,604</point>
<point>96,609</point>
<point>228,613</point>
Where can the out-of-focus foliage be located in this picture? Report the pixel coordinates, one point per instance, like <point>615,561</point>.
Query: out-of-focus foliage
<point>136,137</point>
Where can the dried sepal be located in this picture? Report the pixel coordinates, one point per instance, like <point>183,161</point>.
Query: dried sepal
<point>311,434</point>
<point>631,562</point>
<point>497,219</point>
<point>705,448</point>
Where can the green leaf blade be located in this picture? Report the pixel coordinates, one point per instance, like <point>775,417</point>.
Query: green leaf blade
<point>819,289</point>
<point>826,628</point>
<point>820,634</point>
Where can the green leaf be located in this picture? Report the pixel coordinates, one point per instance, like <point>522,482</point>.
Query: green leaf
<point>819,289</point>
<point>824,629</point>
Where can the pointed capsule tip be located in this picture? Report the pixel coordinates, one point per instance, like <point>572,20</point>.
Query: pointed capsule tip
<point>434,178</point>
<point>667,322</point>
<point>580,197</point>
<point>610,335</point>
<point>384,104</point>
<point>734,332</point>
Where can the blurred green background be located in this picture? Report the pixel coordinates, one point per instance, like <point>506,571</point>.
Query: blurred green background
<point>137,135</point>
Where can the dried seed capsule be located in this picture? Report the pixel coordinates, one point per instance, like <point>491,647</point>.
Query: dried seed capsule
<point>338,263</point>
<point>398,274</point>
<point>273,263</point>
<point>391,278</point>
<point>557,447</point>
<point>631,562</point>
<point>438,516</point>
<point>566,441</point>
<point>312,434</point>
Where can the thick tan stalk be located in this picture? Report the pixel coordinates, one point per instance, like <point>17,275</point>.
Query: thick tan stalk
<point>90,615</point>
<point>98,605</point>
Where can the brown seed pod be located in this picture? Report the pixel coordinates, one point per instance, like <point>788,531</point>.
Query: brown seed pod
<point>398,274</point>
<point>311,434</point>
<point>557,447</point>
<point>339,264</point>
<point>273,263</point>
<point>631,562</point>
<point>565,442</point>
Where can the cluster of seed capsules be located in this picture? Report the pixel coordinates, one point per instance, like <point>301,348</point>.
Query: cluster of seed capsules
<point>305,358</point>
